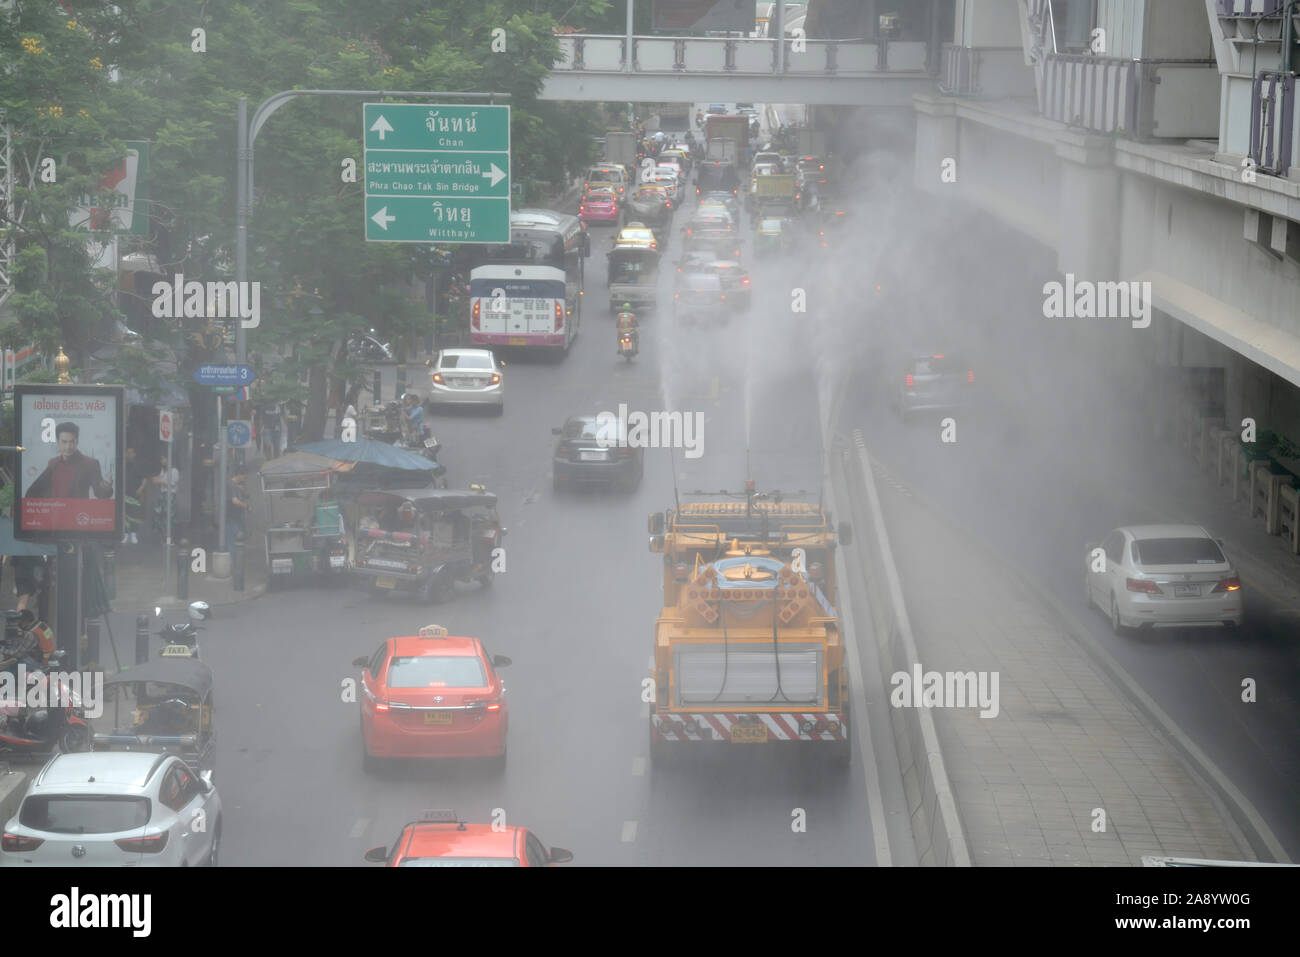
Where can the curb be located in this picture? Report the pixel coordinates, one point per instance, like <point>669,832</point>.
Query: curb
<point>943,841</point>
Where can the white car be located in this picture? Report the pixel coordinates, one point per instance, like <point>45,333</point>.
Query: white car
<point>669,176</point>
<point>115,809</point>
<point>1163,576</point>
<point>467,377</point>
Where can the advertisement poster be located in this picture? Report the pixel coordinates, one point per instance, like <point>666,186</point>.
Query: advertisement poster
<point>69,474</point>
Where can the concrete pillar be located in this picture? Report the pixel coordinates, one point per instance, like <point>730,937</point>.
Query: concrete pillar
<point>1088,209</point>
<point>936,140</point>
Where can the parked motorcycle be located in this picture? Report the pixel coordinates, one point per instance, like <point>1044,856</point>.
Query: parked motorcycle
<point>181,640</point>
<point>41,731</point>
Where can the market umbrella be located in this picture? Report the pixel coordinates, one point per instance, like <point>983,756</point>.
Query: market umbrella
<point>304,463</point>
<point>370,452</point>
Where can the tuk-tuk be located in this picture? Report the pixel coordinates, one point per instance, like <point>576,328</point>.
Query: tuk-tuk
<point>164,705</point>
<point>633,278</point>
<point>425,540</point>
<point>304,534</point>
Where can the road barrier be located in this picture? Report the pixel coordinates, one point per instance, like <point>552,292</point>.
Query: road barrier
<point>936,826</point>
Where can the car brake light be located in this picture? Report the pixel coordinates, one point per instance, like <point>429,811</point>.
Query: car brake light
<point>559,315</point>
<point>381,705</point>
<point>1228,584</point>
<point>16,843</point>
<point>745,281</point>
<point>1142,585</point>
<point>143,845</point>
<point>437,378</point>
<point>474,315</point>
<point>970,375</point>
<point>907,381</point>
<point>495,379</point>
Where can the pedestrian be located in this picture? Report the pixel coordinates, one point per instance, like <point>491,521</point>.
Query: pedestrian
<point>30,578</point>
<point>166,483</point>
<point>292,420</point>
<point>137,483</point>
<point>236,505</point>
<point>271,427</point>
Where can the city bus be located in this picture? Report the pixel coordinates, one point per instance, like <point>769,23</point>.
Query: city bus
<point>528,293</point>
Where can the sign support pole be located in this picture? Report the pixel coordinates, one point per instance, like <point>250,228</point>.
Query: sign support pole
<point>167,490</point>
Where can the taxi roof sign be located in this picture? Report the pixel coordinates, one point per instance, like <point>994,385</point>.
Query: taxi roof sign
<point>433,631</point>
<point>438,816</point>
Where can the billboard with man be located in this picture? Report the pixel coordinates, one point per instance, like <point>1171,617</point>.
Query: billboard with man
<point>69,472</point>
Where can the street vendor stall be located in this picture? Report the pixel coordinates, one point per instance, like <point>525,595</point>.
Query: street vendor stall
<point>305,532</point>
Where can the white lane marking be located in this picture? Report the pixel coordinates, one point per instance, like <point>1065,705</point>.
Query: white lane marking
<point>629,832</point>
<point>359,828</point>
<point>638,767</point>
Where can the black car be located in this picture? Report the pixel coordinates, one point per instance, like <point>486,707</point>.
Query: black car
<point>714,175</point>
<point>934,383</point>
<point>593,449</point>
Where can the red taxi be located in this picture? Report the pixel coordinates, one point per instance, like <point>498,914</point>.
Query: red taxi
<point>432,695</point>
<point>439,839</point>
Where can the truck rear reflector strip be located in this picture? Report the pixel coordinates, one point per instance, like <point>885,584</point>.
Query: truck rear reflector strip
<point>781,725</point>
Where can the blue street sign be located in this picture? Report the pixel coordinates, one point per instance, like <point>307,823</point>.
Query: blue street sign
<point>224,375</point>
<point>238,434</point>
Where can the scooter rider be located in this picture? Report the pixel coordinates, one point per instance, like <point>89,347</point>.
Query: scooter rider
<point>627,326</point>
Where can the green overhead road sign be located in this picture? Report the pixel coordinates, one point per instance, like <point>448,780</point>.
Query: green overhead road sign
<point>437,173</point>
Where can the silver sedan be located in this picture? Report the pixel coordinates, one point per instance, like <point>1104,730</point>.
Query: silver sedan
<point>1163,576</point>
<point>467,377</point>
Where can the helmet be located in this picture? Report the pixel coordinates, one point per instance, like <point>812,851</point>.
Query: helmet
<point>200,610</point>
<point>627,307</point>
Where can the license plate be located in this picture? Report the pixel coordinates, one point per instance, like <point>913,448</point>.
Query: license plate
<point>437,717</point>
<point>1181,591</point>
<point>383,582</point>
<point>749,734</point>
<point>598,456</point>
<point>518,340</point>
<point>338,561</point>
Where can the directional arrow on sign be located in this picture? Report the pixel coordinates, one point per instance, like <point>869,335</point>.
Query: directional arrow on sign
<point>494,174</point>
<point>381,127</point>
<point>382,219</point>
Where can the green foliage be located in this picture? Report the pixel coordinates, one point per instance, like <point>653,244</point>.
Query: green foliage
<point>306,229</point>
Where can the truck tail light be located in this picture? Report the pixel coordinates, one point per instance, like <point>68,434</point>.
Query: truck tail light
<point>1142,585</point>
<point>143,845</point>
<point>474,315</point>
<point>970,375</point>
<point>907,381</point>
<point>1228,584</point>
<point>559,315</point>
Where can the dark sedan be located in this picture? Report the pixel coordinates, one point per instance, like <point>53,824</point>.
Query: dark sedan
<point>593,449</point>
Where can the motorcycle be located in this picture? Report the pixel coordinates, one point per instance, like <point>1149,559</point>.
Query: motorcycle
<point>182,640</point>
<point>627,345</point>
<point>39,731</point>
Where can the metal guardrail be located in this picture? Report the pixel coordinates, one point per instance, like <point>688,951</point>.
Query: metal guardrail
<point>594,53</point>
<point>1107,94</point>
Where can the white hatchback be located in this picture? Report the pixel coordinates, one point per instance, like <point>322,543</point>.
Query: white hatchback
<point>1163,576</point>
<point>115,809</point>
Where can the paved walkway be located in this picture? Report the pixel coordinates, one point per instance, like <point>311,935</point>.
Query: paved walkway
<point>1067,740</point>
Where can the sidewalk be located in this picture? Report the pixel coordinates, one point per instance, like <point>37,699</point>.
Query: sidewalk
<point>1067,740</point>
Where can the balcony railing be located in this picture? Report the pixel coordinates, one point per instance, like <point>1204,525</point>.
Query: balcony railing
<point>737,56</point>
<point>1139,98</point>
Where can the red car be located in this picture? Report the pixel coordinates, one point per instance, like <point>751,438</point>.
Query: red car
<point>599,207</point>
<point>439,839</point>
<point>432,695</point>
